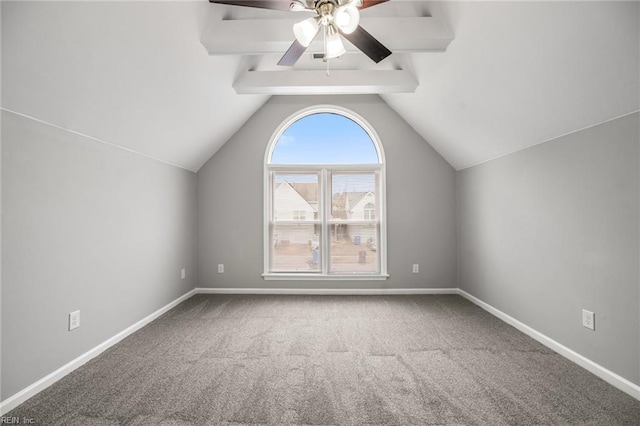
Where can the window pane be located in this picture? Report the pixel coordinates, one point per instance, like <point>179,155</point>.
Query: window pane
<point>295,248</point>
<point>295,197</point>
<point>324,138</point>
<point>370,211</point>
<point>323,216</point>
<point>354,248</point>
<point>353,196</point>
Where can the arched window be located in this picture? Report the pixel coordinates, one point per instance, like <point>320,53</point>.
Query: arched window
<point>324,198</point>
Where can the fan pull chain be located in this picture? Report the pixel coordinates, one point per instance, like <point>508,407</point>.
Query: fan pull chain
<point>324,35</point>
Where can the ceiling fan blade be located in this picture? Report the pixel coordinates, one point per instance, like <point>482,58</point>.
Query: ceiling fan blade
<point>292,54</point>
<point>369,45</point>
<point>369,3</point>
<point>261,4</point>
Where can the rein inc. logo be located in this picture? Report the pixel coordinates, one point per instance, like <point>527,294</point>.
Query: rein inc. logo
<point>5,420</point>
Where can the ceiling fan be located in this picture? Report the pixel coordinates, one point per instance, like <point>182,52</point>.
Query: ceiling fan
<point>333,18</point>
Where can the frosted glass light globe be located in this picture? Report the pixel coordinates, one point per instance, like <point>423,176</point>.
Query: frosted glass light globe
<point>305,31</point>
<point>347,18</point>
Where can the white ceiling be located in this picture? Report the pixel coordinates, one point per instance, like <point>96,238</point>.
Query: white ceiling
<point>518,74</point>
<point>134,74</point>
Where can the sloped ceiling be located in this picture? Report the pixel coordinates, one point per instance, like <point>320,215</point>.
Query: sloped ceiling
<point>134,74</point>
<point>521,73</point>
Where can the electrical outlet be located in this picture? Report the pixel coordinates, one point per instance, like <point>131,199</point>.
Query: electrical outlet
<point>183,274</point>
<point>416,268</point>
<point>221,268</point>
<point>74,320</point>
<point>588,319</point>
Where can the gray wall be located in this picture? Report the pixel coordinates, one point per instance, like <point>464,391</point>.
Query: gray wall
<point>420,202</point>
<point>554,229</point>
<point>85,226</point>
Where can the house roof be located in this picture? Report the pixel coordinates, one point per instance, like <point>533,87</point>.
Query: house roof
<point>308,191</point>
<point>344,201</point>
<point>135,74</point>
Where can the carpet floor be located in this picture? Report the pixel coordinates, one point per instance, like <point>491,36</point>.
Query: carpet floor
<point>328,360</point>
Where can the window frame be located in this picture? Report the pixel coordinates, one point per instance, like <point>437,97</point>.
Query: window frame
<point>325,171</point>
<point>370,212</point>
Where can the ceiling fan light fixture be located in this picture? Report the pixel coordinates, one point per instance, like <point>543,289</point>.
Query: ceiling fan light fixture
<point>347,18</point>
<point>305,31</point>
<point>336,18</point>
<point>333,44</point>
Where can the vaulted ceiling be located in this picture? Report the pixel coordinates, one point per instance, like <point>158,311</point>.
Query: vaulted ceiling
<point>148,76</point>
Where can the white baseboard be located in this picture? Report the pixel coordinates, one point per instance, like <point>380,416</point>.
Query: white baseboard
<point>605,374</point>
<point>328,291</point>
<point>584,362</point>
<point>26,393</point>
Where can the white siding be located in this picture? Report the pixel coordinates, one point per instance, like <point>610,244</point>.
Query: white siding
<point>289,205</point>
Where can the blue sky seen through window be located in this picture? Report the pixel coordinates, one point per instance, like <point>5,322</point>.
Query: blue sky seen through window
<point>324,138</point>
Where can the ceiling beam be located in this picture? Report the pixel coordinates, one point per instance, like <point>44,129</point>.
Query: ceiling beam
<point>261,36</point>
<point>317,82</point>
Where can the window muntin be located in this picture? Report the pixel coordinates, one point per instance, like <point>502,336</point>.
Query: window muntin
<point>325,211</point>
<point>370,211</point>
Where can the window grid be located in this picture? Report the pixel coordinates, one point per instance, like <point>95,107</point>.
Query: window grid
<point>326,261</point>
<point>325,224</point>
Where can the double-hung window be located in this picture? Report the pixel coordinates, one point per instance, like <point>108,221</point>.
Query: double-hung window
<point>325,199</point>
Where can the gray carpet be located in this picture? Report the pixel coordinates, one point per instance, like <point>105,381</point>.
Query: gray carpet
<point>329,360</point>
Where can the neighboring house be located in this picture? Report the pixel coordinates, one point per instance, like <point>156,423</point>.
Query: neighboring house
<point>298,202</point>
<point>290,205</point>
<point>356,206</point>
<point>363,210</point>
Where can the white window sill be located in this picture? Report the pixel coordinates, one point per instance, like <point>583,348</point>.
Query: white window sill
<point>320,277</point>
